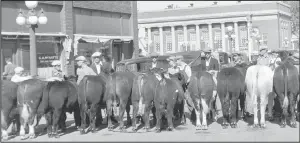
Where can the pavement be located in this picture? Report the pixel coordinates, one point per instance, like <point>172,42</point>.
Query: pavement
<point>243,133</point>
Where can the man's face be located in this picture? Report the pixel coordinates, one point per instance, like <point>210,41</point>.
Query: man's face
<point>207,55</point>
<point>154,60</point>
<point>97,59</point>
<point>79,63</point>
<point>57,67</point>
<point>172,63</point>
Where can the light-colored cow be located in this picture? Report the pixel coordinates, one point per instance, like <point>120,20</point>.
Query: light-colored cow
<point>259,82</point>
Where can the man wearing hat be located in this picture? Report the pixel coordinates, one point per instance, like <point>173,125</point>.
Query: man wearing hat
<point>211,62</point>
<point>56,72</point>
<point>9,68</point>
<point>263,58</point>
<point>185,68</point>
<point>97,63</point>
<point>18,76</point>
<point>83,68</point>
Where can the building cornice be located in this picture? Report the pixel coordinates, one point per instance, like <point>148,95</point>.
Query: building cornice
<point>209,16</point>
<point>208,6</point>
<point>205,21</point>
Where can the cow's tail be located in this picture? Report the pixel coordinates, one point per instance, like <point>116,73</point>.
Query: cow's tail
<point>25,113</point>
<point>85,85</point>
<point>227,97</point>
<point>285,78</point>
<point>255,88</point>
<point>45,98</point>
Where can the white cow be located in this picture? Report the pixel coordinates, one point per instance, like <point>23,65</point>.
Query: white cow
<point>259,82</point>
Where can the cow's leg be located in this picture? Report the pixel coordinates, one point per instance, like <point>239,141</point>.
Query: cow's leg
<point>204,112</point>
<point>122,109</point>
<point>183,105</point>
<point>24,115</point>
<point>129,122</point>
<point>225,111</point>
<point>77,117</point>
<point>109,114</point>
<point>242,105</point>
<point>4,125</point>
<point>263,104</point>
<point>158,120</point>
<point>284,114</point>
<point>83,109</point>
<point>55,120</point>
<point>292,102</point>
<point>233,110</point>
<point>153,110</point>
<point>48,117</point>
<point>135,106</point>
<point>270,106</point>
<point>255,110</point>
<point>170,115</point>
<point>146,115</point>
<point>62,122</point>
<point>198,114</point>
<point>92,114</point>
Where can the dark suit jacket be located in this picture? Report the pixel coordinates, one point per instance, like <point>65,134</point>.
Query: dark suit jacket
<point>213,64</point>
<point>93,66</point>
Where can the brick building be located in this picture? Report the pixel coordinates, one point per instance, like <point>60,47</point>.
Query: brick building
<point>193,28</point>
<point>73,28</point>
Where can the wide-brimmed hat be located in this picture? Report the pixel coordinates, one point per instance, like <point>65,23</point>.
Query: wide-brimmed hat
<point>96,54</point>
<point>207,50</point>
<point>171,58</point>
<point>179,57</point>
<point>296,55</point>
<point>153,55</point>
<point>263,50</point>
<point>18,70</point>
<point>56,63</point>
<point>80,58</point>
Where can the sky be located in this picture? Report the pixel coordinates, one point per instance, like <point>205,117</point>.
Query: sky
<point>159,5</point>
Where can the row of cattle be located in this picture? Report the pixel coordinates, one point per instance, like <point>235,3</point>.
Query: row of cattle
<point>253,86</point>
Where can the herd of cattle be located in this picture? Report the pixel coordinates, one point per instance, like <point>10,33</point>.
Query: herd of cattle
<point>24,104</point>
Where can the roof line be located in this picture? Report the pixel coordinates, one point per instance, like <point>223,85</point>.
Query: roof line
<point>183,8</point>
<point>37,34</point>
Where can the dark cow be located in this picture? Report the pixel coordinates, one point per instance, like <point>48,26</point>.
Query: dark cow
<point>286,86</point>
<point>168,92</point>
<point>229,87</point>
<point>9,106</point>
<point>60,97</point>
<point>30,94</point>
<point>143,92</point>
<point>200,89</point>
<point>118,93</point>
<point>91,94</point>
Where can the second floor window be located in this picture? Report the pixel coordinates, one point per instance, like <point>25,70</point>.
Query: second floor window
<point>169,42</point>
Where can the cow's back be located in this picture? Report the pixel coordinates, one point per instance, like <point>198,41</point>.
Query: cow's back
<point>231,79</point>
<point>91,89</point>
<point>292,78</point>
<point>31,91</point>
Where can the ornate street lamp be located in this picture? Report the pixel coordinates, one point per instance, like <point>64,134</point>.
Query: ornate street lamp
<point>31,19</point>
<point>230,35</point>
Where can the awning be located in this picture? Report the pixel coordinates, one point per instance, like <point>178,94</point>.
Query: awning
<point>40,37</point>
<point>78,38</point>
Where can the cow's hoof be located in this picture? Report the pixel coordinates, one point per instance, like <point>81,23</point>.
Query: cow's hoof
<point>129,122</point>
<point>82,132</point>
<point>56,136</point>
<point>204,127</point>
<point>134,129</point>
<point>283,125</point>
<point>4,138</point>
<point>170,128</point>
<point>293,124</point>
<point>157,130</point>
<point>255,126</point>
<point>271,118</point>
<point>93,130</point>
<point>122,129</point>
<point>233,125</point>
<point>24,137</point>
<point>198,127</point>
<point>263,125</point>
<point>224,126</point>
<point>183,122</point>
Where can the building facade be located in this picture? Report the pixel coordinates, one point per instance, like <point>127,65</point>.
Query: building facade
<point>73,28</point>
<point>194,28</point>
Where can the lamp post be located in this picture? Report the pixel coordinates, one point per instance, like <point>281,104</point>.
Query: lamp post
<point>31,19</point>
<point>249,41</point>
<point>230,35</point>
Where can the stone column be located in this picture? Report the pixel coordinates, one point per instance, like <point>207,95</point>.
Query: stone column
<point>237,39</point>
<point>185,35</point>
<point>198,45</point>
<point>161,40</point>
<point>223,37</point>
<point>250,42</point>
<point>210,34</point>
<point>173,38</point>
<point>149,40</point>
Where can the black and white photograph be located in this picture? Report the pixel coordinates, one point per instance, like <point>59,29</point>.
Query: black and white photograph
<point>149,71</point>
